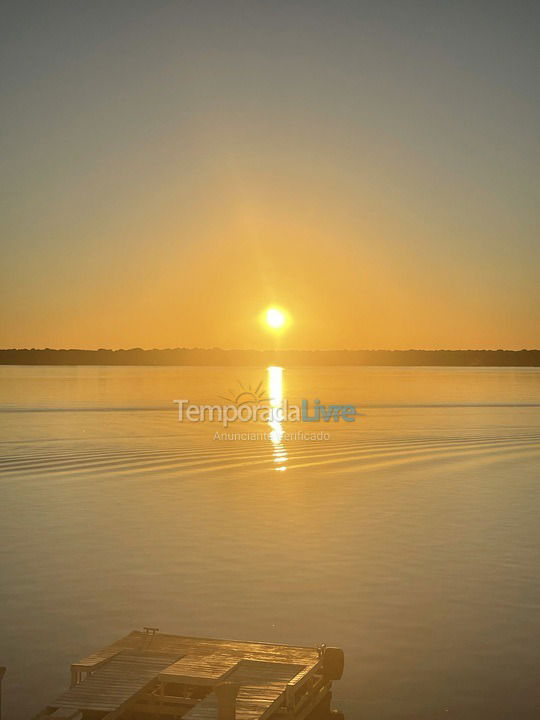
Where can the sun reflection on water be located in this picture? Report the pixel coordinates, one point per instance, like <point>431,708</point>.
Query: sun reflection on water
<point>275,393</point>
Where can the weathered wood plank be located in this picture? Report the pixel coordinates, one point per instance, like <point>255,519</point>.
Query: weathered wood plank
<point>184,645</point>
<point>122,678</point>
<point>200,669</point>
<point>65,713</point>
<point>124,671</point>
<point>262,691</point>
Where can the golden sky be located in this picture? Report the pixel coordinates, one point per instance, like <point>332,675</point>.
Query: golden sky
<point>170,169</point>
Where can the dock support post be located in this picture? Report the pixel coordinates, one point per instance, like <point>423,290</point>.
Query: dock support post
<point>226,693</point>
<point>2,673</point>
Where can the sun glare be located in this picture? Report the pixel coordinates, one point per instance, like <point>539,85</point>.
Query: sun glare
<point>275,318</point>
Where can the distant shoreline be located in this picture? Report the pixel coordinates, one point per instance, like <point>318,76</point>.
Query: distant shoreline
<point>323,358</point>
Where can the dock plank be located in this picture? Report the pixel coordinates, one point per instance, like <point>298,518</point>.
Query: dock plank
<point>263,686</point>
<point>119,680</point>
<point>125,670</point>
<point>200,669</point>
<point>185,645</point>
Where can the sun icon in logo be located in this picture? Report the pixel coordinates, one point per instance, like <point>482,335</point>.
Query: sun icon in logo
<point>247,395</point>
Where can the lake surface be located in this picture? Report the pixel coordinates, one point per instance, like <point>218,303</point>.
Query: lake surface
<point>409,537</point>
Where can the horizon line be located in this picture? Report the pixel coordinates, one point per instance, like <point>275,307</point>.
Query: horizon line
<point>259,350</point>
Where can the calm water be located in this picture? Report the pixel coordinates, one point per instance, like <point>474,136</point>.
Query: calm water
<point>410,537</point>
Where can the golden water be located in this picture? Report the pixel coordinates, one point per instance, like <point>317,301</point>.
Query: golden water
<point>410,537</point>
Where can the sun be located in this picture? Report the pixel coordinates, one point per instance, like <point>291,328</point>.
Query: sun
<point>275,318</point>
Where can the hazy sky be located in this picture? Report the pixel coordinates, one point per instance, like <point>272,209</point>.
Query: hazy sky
<point>170,168</point>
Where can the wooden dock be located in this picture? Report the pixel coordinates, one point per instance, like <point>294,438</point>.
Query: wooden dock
<point>148,674</point>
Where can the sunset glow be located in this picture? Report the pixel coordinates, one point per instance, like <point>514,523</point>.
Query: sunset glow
<point>270,360</point>
<point>332,200</point>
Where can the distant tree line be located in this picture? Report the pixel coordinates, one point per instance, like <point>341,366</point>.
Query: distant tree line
<point>219,357</point>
